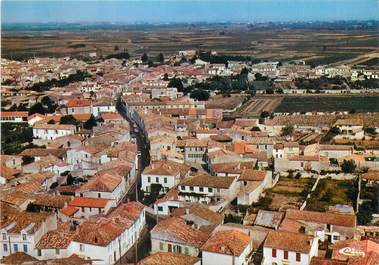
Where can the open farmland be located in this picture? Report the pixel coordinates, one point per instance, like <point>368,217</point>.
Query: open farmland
<point>319,46</point>
<point>290,104</point>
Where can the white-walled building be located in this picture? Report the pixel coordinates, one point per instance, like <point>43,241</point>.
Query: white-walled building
<point>52,131</point>
<point>207,189</point>
<point>229,247</point>
<point>287,248</point>
<point>164,172</point>
<point>21,231</point>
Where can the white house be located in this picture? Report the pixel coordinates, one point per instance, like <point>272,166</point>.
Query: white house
<point>165,173</point>
<point>21,231</point>
<point>229,247</point>
<point>350,129</point>
<point>175,235</point>
<point>103,240</point>
<point>52,131</point>
<point>207,189</point>
<point>107,186</point>
<point>287,248</point>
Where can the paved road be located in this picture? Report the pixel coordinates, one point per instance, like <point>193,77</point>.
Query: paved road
<point>143,245</point>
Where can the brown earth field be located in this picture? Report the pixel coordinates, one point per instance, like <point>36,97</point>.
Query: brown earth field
<point>316,46</point>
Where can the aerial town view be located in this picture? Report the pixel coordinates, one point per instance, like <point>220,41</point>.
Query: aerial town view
<point>189,132</point>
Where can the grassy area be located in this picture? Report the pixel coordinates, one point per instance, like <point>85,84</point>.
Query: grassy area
<point>287,193</point>
<point>329,103</point>
<point>331,192</point>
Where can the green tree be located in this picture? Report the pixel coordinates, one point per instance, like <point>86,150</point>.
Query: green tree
<point>260,77</point>
<point>90,123</point>
<point>348,166</point>
<point>36,108</point>
<point>160,58</point>
<point>144,58</point>
<point>176,82</point>
<point>165,77</point>
<point>287,130</point>
<point>364,215</point>
<point>200,94</point>
<point>265,114</point>
<point>68,119</point>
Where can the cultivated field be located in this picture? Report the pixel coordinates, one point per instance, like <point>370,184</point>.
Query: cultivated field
<point>316,46</point>
<point>289,193</point>
<point>367,103</point>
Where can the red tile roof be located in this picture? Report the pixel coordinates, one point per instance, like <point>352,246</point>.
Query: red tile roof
<point>229,242</point>
<point>78,103</point>
<point>288,241</point>
<point>347,220</point>
<point>88,202</point>
<point>69,210</point>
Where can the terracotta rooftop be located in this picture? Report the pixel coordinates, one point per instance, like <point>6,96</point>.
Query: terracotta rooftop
<point>131,210</point>
<point>346,249</point>
<point>88,202</point>
<point>78,103</point>
<point>100,232</point>
<point>166,168</point>
<point>169,258</point>
<point>229,242</point>
<point>55,240</point>
<point>205,180</point>
<point>288,241</point>
<point>103,183</point>
<point>200,211</point>
<point>177,228</point>
<point>50,200</point>
<point>347,220</point>
<point>252,175</point>
<point>69,210</point>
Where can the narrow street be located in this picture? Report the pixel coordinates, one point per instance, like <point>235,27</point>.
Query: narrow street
<point>143,245</point>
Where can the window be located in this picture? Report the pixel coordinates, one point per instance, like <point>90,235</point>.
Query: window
<point>201,189</point>
<point>4,236</point>
<point>160,246</point>
<point>298,257</point>
<point>24,237</point>
<point>191,188</point>
<point>273,253</point>
<point>285,254</point>
<point>165,180</point>
<point>25,247</point>
<point>186,250</point>
<point>81,247</point>
<point>99,195</point>
<point>210,189</point>
<point>148,179</point>
<point>182,187</point>
<point>5,247</point>
<point>157,180</point>
<point>160,208</point>
<point>336,237</point>
<point>39,252</point>
<point>57,251</point>
<point>15,247</point>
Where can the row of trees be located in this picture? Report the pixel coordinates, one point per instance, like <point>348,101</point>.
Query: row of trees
<point>47,85</point>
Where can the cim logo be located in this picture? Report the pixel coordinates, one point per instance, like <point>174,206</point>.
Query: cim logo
<point>349,251</point>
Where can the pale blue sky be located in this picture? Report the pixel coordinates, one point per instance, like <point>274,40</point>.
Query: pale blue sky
<point>155,11</point>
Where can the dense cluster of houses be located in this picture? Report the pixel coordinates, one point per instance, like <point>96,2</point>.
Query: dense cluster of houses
<point>66,198</point>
